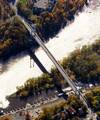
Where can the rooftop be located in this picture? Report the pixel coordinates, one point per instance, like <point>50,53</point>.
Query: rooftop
<point>41,4</point>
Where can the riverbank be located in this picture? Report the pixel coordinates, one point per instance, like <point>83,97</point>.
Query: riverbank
<point>80,32</point>
<point>85,60</point>
<point>17,41</point>
<point>57,18</point>
<point>45,86</point>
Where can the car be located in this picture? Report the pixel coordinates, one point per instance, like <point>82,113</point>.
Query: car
<point>66,90</point>
<point>1,112</point>
<point>90,85</point>
<point>63,95</point>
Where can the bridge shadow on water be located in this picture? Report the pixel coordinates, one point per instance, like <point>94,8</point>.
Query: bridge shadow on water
<point>36,60</point>
<point>6,64</point>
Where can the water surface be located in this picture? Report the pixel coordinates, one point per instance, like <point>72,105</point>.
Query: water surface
<point>84,30</point>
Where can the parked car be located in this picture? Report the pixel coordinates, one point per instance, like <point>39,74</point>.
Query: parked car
<point>1,112</point>
<point>63,95</point>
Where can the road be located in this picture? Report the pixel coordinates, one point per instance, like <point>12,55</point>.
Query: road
<point>58,66</point>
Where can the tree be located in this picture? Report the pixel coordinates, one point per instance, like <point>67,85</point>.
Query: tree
<point>84,63</point>
<point>93,98</point>
<point>8,117</point>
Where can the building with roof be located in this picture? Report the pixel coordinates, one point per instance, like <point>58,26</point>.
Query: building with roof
<point>43,5</point>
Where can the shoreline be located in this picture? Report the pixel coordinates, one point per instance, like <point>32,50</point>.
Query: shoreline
<point>13,98</point>
<point>49,46</point>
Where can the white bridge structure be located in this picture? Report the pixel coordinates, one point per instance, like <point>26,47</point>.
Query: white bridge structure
<point>58,66</point>
<point>31,28</point>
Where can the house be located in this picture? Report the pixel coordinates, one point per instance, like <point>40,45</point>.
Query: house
<point>43,5</point>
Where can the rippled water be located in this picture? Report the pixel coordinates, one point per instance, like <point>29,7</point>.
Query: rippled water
<point>84,30</point>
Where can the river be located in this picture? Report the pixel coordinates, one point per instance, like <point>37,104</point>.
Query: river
<point>84,30</point>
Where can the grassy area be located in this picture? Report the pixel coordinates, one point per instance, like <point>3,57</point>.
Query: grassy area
<point>23,1</point>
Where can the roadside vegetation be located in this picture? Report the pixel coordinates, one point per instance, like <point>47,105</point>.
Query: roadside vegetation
<point>82,65</point>
<point>93,97</point>
<point>23,1</point>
